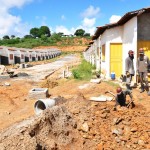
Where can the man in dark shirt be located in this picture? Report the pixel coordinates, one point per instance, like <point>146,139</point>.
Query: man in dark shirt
<point>121,96</point>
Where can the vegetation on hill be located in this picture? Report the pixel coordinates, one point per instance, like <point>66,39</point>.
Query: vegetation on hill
<point>43,37</point>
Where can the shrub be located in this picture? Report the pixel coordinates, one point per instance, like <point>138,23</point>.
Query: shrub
<point>83,71</point>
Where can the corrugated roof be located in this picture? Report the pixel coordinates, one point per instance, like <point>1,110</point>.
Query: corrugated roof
<point>122,21</point>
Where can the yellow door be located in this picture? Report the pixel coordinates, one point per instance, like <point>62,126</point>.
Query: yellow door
<point>146,46</point>
<point>116,58</point>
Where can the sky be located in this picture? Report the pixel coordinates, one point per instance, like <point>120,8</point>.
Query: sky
<point>17,17</point>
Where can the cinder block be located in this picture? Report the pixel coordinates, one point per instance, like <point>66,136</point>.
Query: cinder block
<point>38,93</point>
<point>5,76</point>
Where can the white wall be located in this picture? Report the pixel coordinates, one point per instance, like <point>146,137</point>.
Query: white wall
<point>130,39</point>
<point>113,35</point>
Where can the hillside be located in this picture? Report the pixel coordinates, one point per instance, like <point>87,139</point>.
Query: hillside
<point>62,43</point>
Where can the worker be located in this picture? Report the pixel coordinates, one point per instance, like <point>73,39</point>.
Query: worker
<point>129,68</point>
<point>142,70</point>
<point>121,97</point>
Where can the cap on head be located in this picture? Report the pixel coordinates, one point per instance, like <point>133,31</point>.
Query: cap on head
<point>130,52</point>
<point>119,90</point>
<point>141,51</point>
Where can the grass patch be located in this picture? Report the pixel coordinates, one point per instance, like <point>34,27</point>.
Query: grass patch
<point>83,71</point>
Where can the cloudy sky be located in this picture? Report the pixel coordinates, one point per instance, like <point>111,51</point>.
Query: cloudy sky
<point>17,17</point>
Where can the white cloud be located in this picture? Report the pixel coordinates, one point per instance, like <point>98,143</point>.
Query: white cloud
<point>63,17</point>
<point>13,3</point>
<point>10,24</point>
<point>114,18</point>
<point>91,12</point>
<point>64,30</point>
<point>88,22</point>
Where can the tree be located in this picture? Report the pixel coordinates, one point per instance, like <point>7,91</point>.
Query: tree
<point>6,37</point>
<point>12,36</point>
<point>87,34</point>
<point>60,34</point>
<point>35,32</point>
<point>79,32</point>
<point>44,30</point>
<point>28,37</point>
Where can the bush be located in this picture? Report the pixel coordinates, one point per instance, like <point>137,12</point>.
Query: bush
<point>83,71</point>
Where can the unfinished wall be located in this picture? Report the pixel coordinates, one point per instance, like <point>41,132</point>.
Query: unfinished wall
<point>144,26</point>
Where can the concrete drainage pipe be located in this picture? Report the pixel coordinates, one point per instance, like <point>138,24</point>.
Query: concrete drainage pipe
<point>43,104</point>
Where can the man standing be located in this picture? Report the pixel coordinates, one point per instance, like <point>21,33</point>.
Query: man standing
<point>129,68</point>
<point>142,70</point>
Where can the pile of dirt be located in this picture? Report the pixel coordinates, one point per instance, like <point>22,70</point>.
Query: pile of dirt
<point>54,129</point>
<point>103,128</point>
<point>81,124</point>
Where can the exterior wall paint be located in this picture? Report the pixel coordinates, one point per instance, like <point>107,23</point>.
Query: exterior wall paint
<point>113,35</point>
<point>130,40</point>
<point>143,26</point>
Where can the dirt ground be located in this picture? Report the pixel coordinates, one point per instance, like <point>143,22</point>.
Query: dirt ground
<point>99,126</point>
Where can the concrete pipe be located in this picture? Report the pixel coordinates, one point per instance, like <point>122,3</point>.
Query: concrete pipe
<point>43,104</point>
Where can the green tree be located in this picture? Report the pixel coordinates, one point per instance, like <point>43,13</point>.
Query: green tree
<point>28,37</point>
<point>60,34</point>
<point>44,30</point>
<point>87,34</point>
<point>12,36</point>
<point>35,32</point>
<point>79,32</point>
<point>5,37</point>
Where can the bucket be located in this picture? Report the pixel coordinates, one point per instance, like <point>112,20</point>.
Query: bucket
<point>43,104</point>
<point>113,76</point>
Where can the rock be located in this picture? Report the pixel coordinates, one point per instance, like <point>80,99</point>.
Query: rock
<point>117,139</point>
<point>134,129</point>
<point>141,142</point>
<point>116,131</point>
<point>127,130</point>
<point>104,116</point>
<point>126,122</point>
<point>85,127</point>
<point>100,146</point>
<point>116,121</point>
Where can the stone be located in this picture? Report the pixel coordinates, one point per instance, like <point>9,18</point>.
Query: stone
<point>116,121</point>
<point>134,129</point>
<point>85,127</point>
<point>141,142</point>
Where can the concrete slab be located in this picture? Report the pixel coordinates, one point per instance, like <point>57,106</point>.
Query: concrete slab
<point>38,93</point>
<point>101,98</point>
<point>4,76</point>
<point>95,80</point>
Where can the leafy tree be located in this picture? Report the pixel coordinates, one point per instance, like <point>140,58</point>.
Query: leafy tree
<point>28,37</point>
<point>44,30</point>
<point>60,34</point>
<point>35,32</point>
<point>87,34</point>
<point>44,38</point>
<point>12,36</point>
<point>79,32</point>
<point>5,37</point>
